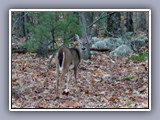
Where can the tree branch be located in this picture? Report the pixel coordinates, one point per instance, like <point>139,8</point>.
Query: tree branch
<point>111,33</point>
<point>100,18</point>
<point>15,22</point>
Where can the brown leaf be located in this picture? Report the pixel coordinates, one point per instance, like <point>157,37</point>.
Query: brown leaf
<point>143,89</point>
<point>137,99</point>
<point>87,93</point>
<point>113,98</point>
<point>92,82</point>
<point>98,73</point>
<point>71,104</point>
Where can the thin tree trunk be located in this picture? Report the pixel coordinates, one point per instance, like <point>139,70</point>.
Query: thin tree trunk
<point>84,23</point>
<point>53,38</point>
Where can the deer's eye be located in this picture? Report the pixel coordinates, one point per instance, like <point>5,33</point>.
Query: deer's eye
<point>86,43</point>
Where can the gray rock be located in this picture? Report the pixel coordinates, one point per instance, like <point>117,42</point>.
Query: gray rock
<point>94,53</point>
<point>122,50</point>
<point>99,44</point>
<point>138,43</point>
<point>94,40</point>
<point>107,76</point>
<point>129,35</point>
<point>141,37</point>
<point>109,43</point>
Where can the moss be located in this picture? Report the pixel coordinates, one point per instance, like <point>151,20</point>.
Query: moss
<point>128,77</point>
<point>139,57</point>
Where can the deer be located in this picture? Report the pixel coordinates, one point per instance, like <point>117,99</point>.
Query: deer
<point>68,59</point>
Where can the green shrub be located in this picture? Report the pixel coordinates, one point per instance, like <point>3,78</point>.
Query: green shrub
<point>65,25</point>
<point>139,57</point>
<point>128,77</point>
<point>31,45</point>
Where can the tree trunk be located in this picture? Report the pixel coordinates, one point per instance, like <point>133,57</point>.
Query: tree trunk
<point>129,23</point>
<point>139,21</point>
<point>53,38</point>
<point>113,24</point>
<point>84,24</point>
<point>19,24</point>
<point>24,25</point>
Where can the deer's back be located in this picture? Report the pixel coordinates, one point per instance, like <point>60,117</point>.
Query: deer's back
<point>70,56</point>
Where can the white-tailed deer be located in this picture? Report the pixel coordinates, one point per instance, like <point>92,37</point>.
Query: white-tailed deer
<point>67,59</point>
<point>84,47</point>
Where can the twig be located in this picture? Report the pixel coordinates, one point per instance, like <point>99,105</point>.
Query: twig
<point>100,18</point>
<point>17,20</point>
<point>111,33</point>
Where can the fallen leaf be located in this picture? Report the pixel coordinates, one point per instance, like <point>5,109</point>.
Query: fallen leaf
<point>113,98</point>
<point>71,104</point>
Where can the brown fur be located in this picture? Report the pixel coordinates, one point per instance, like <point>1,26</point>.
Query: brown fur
<point>66,57</point>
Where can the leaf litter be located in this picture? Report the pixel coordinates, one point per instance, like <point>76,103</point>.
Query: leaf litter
<point>102,83</point>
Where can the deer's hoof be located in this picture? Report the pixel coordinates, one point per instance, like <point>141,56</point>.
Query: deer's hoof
<point>65,93</point>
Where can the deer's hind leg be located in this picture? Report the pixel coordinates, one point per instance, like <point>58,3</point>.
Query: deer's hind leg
<point>68,79</point>
<point>57,79</point>
<point>61,80</point>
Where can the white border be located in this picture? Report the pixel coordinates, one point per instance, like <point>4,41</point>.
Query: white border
<point>10,106</point>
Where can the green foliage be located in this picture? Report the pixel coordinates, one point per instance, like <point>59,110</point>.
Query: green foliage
<point>129,102</point>
<point>65,25</point>
<point>128,77</point>
<point>65,28</point>
<point>32,45</point>
<point>139,57</point>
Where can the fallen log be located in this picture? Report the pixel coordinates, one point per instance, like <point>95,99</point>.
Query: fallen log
<point>100,50</point>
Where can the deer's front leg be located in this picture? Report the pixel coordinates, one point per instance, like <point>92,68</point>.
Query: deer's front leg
<point>75,76</point>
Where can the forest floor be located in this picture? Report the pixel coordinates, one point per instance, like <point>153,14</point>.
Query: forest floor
<point>102,83</point>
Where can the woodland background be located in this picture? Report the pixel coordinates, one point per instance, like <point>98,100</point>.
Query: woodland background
<point>116,76</point>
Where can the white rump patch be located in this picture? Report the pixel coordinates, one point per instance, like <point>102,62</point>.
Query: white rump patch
<point>60,68</point>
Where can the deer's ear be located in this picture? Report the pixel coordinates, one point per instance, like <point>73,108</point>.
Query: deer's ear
<point>77,37</point>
